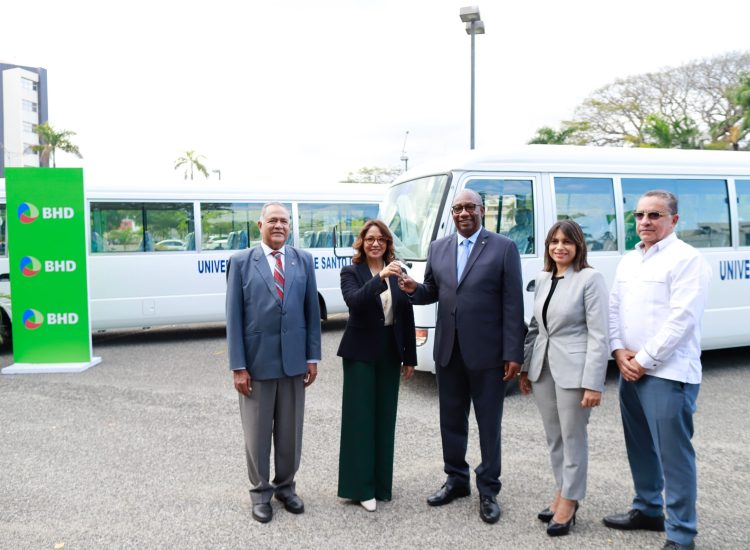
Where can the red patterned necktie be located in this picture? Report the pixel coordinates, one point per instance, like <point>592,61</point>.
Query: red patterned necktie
<point>278,274</point>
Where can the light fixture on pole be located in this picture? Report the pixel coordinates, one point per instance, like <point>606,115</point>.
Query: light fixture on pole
<point>217,172</point>
<point>474,25</point>
<point>404,157</point>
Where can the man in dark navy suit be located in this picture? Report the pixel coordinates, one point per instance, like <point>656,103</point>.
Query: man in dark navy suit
<point>475,276</point>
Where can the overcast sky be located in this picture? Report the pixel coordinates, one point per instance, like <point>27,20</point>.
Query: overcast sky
<point>310,91</point>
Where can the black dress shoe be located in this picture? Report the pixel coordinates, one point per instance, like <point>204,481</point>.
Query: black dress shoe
<point>634,519</point>
<point>292,503</point>
<point>672,545</point>
<point>447,493</point>
<point>555,529</point>
<point>262,512</point>
<point>489,509</point>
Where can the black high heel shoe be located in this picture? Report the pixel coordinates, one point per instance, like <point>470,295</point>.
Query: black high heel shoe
<point>546,515</point>
<point>555,529</point>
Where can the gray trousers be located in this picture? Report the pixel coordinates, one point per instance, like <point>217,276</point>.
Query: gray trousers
<point>565,423</point>
<point>274,410</point>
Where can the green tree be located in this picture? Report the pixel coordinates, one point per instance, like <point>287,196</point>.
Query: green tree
<point>675,134</point>
<point>50,141</point>
<point>729,132</point>
<point>374,174</point>
<point>566,134</point>
<point>190,163</point>
<point>742,99</point>
<point>693,104</point>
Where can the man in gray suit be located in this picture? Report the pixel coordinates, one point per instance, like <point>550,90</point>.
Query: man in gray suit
<point>475,277</point>
<point>273,334</point>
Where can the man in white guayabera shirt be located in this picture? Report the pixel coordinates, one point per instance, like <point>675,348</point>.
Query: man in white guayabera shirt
<point>655,312</point>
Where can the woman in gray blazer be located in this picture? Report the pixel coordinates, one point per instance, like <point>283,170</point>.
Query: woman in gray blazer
<point>565,361</point>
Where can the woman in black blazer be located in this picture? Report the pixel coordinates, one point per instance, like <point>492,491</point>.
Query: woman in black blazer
<point>378,340</point>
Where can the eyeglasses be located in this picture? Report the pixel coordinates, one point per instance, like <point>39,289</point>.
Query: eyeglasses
<point>456,208</point>
<point>373,240</point>
<point>652,215</point>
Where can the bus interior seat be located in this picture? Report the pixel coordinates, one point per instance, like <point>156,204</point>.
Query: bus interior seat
<point>147,244</point>
<point>242,240</point>
<point>97,243</point>
<point>523,232</point>
<point>324,239</point>
<point>232,240</point>
<point>308,239</point>
<point>190,241</point>
<point>347,238</point>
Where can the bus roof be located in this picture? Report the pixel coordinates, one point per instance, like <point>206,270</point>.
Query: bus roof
<point>605,160</point>
<point>215,190</point>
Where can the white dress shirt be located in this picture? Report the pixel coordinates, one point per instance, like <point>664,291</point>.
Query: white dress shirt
<point>656,308</point>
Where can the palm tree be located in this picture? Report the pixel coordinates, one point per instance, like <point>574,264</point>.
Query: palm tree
<point>191,162</point>
<point>661,133</point>
<point>52,140</point>
<point>566,134</point>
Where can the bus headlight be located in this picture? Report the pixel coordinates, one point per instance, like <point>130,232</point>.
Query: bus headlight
<point>421,334</point>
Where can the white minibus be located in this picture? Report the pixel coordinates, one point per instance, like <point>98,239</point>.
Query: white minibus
<point>526,190</point>
<point>158,255</point>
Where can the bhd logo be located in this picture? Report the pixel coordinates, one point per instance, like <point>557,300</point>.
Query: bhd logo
<point>32,319</point>
<point>27,213</point>
<point>30,266</point>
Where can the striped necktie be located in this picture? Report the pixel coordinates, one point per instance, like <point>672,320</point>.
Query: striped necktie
<point>278,274</point>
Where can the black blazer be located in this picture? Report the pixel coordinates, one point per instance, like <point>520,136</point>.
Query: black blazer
<point>362,336</point>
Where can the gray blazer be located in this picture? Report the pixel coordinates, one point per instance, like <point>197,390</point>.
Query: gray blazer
<point>577,343</point>
<point>269,338</point>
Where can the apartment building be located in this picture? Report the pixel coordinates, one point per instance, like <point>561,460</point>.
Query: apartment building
<point>23,106</point>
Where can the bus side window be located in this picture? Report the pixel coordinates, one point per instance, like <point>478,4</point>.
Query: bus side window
<point>508,209</point>
<point>317,220</point>
<point>743,210</point>
<point>590,202</point>
<point>117,226</point>
<point>703,206</point>
<point>232,226</point>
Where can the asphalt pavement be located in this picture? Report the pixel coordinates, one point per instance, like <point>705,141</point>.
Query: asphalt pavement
<point>145,451</point>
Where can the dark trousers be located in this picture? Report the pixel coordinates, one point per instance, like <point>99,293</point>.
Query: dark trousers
<point>458,388</point>
<point>368,424</point>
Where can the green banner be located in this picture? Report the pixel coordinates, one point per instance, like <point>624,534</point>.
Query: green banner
<point>47,257</point>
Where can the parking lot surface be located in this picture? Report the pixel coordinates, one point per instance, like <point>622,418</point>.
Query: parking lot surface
<point>145,451</point>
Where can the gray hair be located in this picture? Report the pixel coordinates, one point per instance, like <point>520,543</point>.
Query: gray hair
<point>269,204</point>
<point>665,195</point>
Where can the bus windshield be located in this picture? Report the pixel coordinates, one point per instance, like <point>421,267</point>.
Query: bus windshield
<point>411,210</point>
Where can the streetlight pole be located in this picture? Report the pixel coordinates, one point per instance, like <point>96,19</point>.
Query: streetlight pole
<point>217,172</point>
<point>474,25</point>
